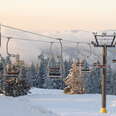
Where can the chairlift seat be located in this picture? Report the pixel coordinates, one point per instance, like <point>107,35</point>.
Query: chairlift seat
<point>114,60</point>
<point>13,72</point>
<point>54,72</point>
<point>11,75</point>
<point>86,70</point>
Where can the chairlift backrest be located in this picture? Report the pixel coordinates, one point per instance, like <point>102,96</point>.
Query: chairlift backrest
<point>54,72</point>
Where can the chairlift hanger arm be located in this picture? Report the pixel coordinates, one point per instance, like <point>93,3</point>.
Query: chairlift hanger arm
<point>7,47</point>
<point>7,44</point>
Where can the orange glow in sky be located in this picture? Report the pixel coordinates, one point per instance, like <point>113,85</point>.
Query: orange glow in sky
<point>52,15</point>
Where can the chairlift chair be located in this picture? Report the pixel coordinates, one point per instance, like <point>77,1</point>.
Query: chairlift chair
<point>81,64</point>
<point>54,72</point>
<point>54,68</point>
<point>11,69</point>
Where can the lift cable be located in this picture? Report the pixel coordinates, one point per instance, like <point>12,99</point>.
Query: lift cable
<point>10,27</point>
<point>64,44</point>
<point>17,38</point>
<point>37,40</point>
<point>34,40</point>
<point>42,35</point>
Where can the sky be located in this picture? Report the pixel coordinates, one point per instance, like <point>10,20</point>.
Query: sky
<point>58,15</point>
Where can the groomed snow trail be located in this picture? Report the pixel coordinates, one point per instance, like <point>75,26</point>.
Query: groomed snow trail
<point>71,105</point>
<point>44,102</point>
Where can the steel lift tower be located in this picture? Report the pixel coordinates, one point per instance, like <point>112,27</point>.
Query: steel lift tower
<point>104,41</point>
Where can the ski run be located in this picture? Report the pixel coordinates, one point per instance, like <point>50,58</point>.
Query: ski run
<point>47,102</point>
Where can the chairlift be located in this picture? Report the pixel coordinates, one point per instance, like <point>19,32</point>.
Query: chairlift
<point>55,67</point>
<point>54,72</point>
<point>81,63</point>
<point>83,68</point>
<point>11,69</point>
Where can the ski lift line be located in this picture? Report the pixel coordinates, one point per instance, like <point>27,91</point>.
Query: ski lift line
<point>38,34</point>
<point>26,31</point>
<point>56,71</point>
<point>16,38</point>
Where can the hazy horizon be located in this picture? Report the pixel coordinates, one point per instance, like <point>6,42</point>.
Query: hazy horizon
<point>55,16</point>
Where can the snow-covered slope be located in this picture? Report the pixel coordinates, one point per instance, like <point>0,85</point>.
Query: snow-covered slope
<point>21,106</point>
<point>44,102</point>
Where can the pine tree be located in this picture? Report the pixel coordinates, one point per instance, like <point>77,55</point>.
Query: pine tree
<point>74,80</point>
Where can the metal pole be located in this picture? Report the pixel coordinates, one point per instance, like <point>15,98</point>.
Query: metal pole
<point>104,77</point>
<point>8,39</point>
<point>104,58</point>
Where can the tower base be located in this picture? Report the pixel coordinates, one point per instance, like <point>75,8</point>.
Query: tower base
<point>103,110</point>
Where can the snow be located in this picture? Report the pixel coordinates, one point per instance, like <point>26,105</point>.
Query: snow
<point>20,107</point>
<point>44,102</point>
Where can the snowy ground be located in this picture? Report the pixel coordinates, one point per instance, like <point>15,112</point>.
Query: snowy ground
<point>44,102</point>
